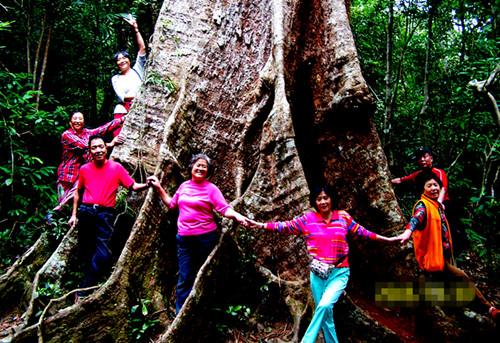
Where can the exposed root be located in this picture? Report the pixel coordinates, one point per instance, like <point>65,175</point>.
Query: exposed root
<point>55,267</point>
<point>39,325</point>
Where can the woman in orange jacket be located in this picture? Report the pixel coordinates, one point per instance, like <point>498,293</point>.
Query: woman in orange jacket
<point>432,239</point>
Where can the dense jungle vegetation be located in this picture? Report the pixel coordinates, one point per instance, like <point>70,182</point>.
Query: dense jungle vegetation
<point>432,67</point>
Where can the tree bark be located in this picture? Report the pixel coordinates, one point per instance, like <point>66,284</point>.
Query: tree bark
<point>273,92</point>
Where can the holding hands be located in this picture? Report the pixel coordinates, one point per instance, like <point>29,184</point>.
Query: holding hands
<point>404,237</point>
<point>252,224</point>
<point>154,182</point>
<point>241,219</point>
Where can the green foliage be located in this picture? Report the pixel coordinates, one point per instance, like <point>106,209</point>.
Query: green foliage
<point>48,290</point>
<point>235,316</point>
<point>458,124</point>
<point>483,232</point>
<point>26,183</point>
<point>166,85</point>
<point>142,321</point>
<point>84,36</point>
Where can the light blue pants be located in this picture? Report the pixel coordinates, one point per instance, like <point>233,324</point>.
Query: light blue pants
<point>326,293</point>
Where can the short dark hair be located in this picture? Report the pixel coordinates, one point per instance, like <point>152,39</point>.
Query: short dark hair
<point>93,137</point>
<point>423,177</point>
<point>195,158</point>
<point>315,191</point>
<point>124,53</point>
<point>422,151</point>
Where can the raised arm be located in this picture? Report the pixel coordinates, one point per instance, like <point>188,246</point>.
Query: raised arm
<point>140,41</point>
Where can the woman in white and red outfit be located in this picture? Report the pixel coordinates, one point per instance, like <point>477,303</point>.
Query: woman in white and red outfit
<point>197,233</point>
<point>128,82</point>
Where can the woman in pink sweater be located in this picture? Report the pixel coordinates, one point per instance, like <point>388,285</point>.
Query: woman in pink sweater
<point>197,233</point>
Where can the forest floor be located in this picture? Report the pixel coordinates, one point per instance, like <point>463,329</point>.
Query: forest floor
<point>399,320</point>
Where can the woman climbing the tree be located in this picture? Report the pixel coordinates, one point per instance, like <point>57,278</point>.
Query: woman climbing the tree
<point>128,82</point>
<point>326,233</point>
<point>197,233</point>
<point>432,240</point>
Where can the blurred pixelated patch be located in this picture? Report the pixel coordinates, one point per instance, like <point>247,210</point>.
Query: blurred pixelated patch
<point>424,293</point>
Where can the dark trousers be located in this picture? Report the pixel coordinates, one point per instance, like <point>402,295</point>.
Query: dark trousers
<point>457,229</point>
<point>94,232</point>
<point>192,252</point>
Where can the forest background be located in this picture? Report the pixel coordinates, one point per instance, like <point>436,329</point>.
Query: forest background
<point>426,63</point>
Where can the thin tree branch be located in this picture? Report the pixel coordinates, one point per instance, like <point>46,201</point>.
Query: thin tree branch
<point>37,55</point>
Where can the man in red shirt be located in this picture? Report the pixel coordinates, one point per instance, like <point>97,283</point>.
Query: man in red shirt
<point>98,183</point>
<point>424,159</point>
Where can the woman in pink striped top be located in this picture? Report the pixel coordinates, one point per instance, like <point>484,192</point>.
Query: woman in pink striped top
<point>326,233</point>
<point>197,233</point>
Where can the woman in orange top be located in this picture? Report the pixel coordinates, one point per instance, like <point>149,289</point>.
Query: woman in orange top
<point>432,240</point>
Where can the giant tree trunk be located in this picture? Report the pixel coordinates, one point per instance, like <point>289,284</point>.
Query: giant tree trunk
<point>273,92</point>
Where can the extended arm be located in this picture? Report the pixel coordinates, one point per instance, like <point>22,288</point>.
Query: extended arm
<point>161,192</point>
<point>71,141</point>
<point>252,224</point>
<point>380,238</point>
<point>138,186</point>
<point>117,140</point>
<point>405,236</point>
<point>232,214</point>
<point>417,222</point>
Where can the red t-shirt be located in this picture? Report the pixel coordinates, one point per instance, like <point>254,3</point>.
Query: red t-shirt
<point>101,184</point>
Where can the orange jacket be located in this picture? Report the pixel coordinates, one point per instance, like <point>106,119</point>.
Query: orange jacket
<point>428,242</point>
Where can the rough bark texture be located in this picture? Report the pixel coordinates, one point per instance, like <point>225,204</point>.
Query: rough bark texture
<point>273,92</point>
